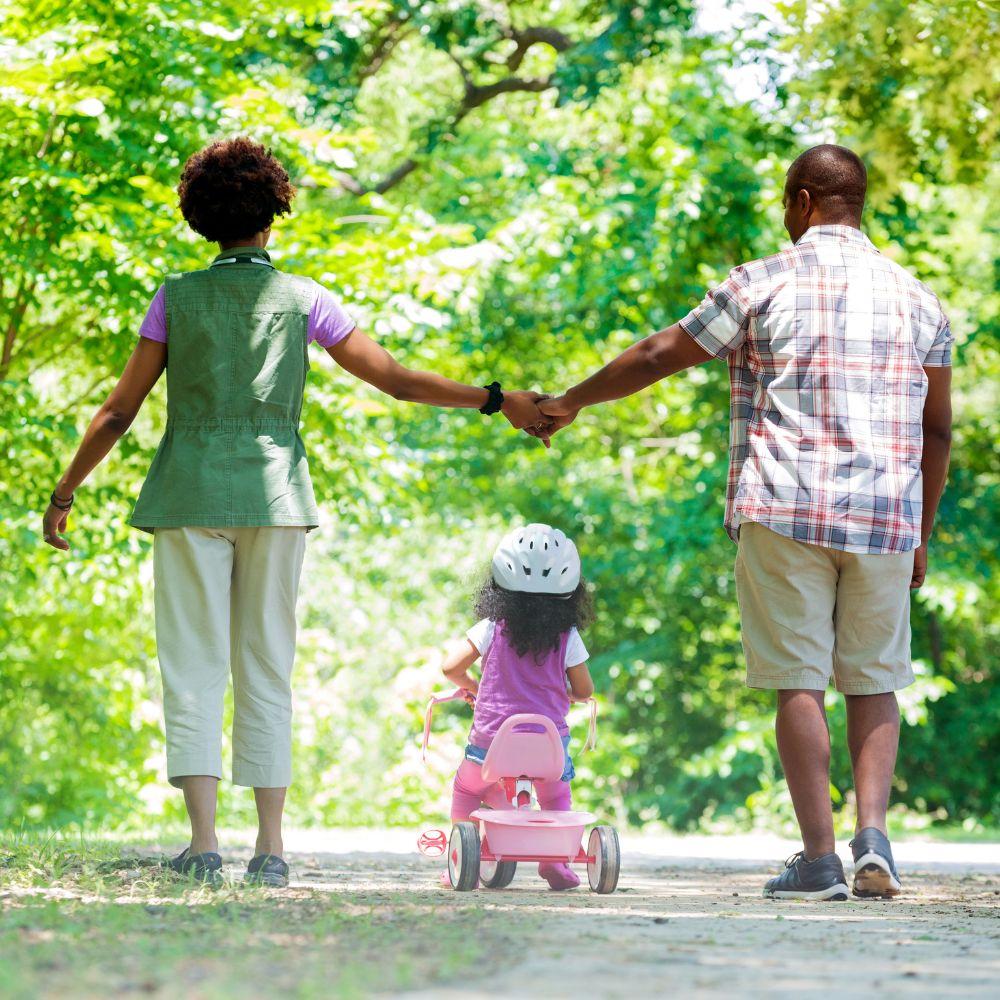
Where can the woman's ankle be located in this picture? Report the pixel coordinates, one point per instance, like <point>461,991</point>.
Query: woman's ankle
<point>205,845</point>
<point>269,845</point>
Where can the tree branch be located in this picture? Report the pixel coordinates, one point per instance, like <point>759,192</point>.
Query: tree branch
<point>395,32</point>
<point>477,96</point>
<point>474,96</point>
<point>21,301</point>
<point>524,38</point>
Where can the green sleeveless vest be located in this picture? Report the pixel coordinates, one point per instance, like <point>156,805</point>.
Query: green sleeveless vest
<point>231,455</point>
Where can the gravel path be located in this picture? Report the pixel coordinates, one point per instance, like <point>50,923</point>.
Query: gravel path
<point>685,922</point>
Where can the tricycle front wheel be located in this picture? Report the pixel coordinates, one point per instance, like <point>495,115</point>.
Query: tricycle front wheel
<point>602,872</point>
<point>463,857</point>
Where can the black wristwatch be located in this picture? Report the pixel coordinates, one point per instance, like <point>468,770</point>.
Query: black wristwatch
<point>495,402</point>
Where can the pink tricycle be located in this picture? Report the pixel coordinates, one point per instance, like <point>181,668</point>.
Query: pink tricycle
<point>526,749</point>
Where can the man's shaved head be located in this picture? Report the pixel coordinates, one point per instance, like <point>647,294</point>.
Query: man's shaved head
<point>833,176</point>
<point>825,185</point>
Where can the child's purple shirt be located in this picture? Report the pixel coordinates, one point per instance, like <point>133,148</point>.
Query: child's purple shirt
<point>511,683</point>
<point>329,323</point>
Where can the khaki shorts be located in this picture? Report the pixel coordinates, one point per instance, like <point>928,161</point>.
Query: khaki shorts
<point>809,612</point>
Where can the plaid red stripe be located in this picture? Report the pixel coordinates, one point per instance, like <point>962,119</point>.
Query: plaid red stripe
<point>826,344</point>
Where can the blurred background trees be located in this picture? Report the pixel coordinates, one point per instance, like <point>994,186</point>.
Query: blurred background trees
<point>497,190</point>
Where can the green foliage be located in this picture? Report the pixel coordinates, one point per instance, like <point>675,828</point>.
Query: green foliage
<point>533,233</point>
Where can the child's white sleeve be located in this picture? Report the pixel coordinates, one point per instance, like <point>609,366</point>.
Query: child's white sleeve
<point>481,635</point>
<point>576,651</point>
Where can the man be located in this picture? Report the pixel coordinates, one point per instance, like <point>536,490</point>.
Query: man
<point>839,366</point>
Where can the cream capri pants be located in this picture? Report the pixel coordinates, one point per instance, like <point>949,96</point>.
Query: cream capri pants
<point>808,612</point>
<point>225,602</point>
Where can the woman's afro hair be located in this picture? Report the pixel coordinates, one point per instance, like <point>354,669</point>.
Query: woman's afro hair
<point>233,189</point>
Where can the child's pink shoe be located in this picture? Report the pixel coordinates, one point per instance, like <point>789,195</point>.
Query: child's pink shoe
<point>559,876</point>
<point>446,880</point>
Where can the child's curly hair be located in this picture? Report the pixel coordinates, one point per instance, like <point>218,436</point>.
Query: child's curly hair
<point>534,622</point>
<point>233,189</point>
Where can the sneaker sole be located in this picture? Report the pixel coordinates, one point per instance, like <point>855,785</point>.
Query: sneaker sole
<point>212,879</point>
<point>272,881</point>
<point>872,879</point>
<point>836,892</point>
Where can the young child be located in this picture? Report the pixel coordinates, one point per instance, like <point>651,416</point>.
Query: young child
<point>531,607</point>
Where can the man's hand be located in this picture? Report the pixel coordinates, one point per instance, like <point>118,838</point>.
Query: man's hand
<point>559,414</point>
<point>919,567</point>
<point>521,409</point>
<point>54,527</point>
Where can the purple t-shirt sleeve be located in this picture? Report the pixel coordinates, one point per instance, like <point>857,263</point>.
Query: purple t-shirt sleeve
<point>154,326</point>
<point>329,323</point>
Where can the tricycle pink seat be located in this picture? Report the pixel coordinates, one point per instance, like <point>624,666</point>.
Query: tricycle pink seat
<point>526,745</point>
<point>527,748</point>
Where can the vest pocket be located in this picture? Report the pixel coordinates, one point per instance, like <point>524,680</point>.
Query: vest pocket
<point>269,375</point>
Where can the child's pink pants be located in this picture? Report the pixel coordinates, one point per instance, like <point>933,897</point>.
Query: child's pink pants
<point>469,792</point>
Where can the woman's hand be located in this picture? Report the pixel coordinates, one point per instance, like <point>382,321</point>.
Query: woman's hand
<point>54,527</point>
<point>521,409</point>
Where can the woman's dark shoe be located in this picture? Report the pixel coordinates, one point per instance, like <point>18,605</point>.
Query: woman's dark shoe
<point>822,878</point>
<point>206,867</point>
<point>266,869</point>
<point>875,872</point>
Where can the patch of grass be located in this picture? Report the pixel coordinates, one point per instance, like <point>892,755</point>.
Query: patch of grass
<point>98,919</point>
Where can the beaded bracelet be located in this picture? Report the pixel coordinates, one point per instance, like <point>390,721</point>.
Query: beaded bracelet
<point>59,503</point>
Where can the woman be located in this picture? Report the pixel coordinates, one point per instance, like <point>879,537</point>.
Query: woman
<point>228,497</point>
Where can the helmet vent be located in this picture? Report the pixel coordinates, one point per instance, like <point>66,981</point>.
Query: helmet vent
<point>545,572</point>
<point>527,570</point>
<point>531,544</point>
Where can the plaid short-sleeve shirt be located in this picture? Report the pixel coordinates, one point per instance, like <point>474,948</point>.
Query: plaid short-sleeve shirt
<point>826,344</point>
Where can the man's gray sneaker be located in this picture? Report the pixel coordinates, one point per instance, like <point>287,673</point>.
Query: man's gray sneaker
<point>822,878</point>
<point>874,870</point>
<point>206,867</point>
<point>266,869</point>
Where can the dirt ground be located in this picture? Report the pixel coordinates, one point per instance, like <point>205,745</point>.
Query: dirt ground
<point>365,916</point>
<point>698,926</point>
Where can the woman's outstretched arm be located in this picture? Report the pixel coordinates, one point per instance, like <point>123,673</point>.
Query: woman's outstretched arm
<point>110,422</point>
<point>369,361</point>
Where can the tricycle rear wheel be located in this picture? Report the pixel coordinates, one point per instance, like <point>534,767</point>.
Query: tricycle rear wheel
<point>496,874</point>
<point>602,872</point>
<point>463,857</point>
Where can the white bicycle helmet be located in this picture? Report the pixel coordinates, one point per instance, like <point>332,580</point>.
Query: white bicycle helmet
<point>537,559</point>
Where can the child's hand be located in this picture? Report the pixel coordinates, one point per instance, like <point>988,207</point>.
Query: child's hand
<point>469,697</point>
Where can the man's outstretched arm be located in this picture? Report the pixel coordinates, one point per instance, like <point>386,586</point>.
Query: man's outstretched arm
<point>648,361</point>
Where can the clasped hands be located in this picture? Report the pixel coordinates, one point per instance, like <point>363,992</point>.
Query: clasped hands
<point>537,414</point>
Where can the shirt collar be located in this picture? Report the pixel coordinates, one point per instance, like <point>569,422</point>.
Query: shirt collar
<point>241,255</point>
<point>846,233</point>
